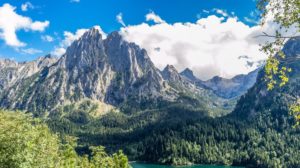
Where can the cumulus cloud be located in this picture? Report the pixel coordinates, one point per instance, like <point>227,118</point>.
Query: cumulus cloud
<point>10,22</point>
<point>153,17</point>
<point>270,27</point>
<point>47,38</point>
<point>70,37</point>
<point>211,46</point>
<point>119,18</point>
<point>27,5</point>
<point>58,51</point>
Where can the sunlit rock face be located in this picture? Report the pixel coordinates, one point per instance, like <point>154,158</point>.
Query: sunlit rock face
<point>109,70</point>
<point>12,72</point>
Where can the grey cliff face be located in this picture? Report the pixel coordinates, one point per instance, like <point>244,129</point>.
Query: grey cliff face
<point>225,88</point>
<point>234,87</point>
<point>171,74</point>
<point>109,70</point>
<point>12,72</point>
<point>189,74</point>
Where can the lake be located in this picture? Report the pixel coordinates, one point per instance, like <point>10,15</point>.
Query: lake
<point>142,165</point>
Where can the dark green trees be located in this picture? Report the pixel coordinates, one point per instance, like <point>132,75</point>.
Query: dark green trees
<point>28,143</point>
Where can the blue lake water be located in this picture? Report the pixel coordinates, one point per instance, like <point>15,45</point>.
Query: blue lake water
<point>142,165</point>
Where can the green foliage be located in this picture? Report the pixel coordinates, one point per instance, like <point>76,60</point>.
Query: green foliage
<point>180,135</point>
<point>274,71</point>
<point>286,14</point>
<point>24,142</point>
<point>28,143</point>
<point>295,111</point>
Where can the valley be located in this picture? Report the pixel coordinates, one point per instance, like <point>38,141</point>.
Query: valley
<point>107,92</point>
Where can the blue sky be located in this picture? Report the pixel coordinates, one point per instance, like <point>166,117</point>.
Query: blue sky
<point>65,15</point>
<point>211,36</point>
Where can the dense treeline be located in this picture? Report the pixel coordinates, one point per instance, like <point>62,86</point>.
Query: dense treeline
<point>179,135</point>
<point>222,142</point>
<point>174,135</point>
<point>259,132</point>
<point>28,143</point>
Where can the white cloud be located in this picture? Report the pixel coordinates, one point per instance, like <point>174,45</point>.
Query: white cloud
<point>153,17</point>
<point>119,18</point>
<point>30,51</point>
<point>58,51</point>
<point>39,26</point>
<point>205,11</point>
<point>270,27</point>
<point>221,12</point>
<point>75,1</point>
<point>211,46</point>
<point>47,38</point>
<point>254,17</point>
<point>10,22</point>
<point>251,20</point>
<point>27,5</point>
<point>70,37</point>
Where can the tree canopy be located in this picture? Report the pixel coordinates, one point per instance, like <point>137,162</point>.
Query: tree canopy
<point>26,142</point>
<point>286,14</point>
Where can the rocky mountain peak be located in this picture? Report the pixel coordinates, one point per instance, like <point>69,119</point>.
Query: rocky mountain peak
<point>170,73</point>
<point>109,70</point>
<point>85,52</point>
<point>189,74</point>
<point>7,63</point>
<point>45,61</point>
<point>234,87</point>
<point>292,47</point>
<point>93,35</point>
<point>170,68</point>
<point>114,37</point>
<point>127,57</point>
<point>217,79</point>
<point>12,72</point>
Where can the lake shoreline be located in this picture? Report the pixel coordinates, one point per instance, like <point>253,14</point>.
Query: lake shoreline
<point>143,164</point>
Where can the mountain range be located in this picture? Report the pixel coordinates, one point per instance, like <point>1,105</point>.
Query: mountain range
<point>113,73</point>
<point>108,92</point>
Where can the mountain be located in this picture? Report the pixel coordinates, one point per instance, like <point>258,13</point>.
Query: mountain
<point>176,124</point>
<point>260,101</point>
<point>234,87</point>
<point>12,72</point>
<point>258,133</point>
<point>171,75</point>
<point>189,74</point>
<point>225,88</point>
<point>111,73</point>
<point>214,104</point>
<point>109,70</point>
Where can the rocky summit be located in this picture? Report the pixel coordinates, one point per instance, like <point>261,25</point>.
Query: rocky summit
<point>110,71</point>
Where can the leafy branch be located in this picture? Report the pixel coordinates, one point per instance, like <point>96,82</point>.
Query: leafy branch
<point>286,13</point>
